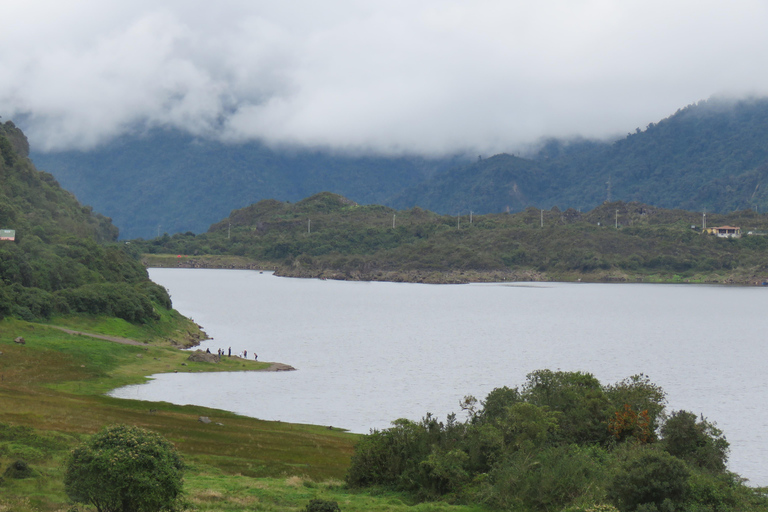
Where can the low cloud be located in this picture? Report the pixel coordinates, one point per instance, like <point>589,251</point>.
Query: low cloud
<point>425,77</point>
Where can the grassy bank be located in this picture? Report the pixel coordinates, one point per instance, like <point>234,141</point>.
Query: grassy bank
<point>51,399</point>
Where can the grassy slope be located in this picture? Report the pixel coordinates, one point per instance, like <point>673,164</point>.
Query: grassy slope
<point>51,399</point>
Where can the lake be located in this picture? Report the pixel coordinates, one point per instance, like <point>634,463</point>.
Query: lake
<point>368,353</point>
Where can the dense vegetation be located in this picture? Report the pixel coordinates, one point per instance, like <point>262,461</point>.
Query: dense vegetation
<point>709,156</point>
<point>173,182</point>
<point>563,441</point>
<point>64,258</point>
<point>329,236</point>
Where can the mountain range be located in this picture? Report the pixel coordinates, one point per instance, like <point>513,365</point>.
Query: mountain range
<point>711,156</point>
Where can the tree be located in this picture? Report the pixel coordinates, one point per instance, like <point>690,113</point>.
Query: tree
<point>125,469</point>
<point>649,479</point>
<point>580,399</point>
<point>698,442</point>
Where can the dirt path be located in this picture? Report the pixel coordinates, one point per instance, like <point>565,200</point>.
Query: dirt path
<point>115,339</point>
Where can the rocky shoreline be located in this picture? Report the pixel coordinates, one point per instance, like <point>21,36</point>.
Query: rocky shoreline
<point>428,276</point>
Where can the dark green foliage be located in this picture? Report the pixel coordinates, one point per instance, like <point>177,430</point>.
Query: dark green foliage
<point>551,445</point>
<point>353,241</point>
<point>411,456</point>
<point>547,479</point>
<point>19,469</point>
<point>698,442</point>
<point>183,183</point>
<point>649,478</point>
<point>121,300</point>
<point>126,469</point>
<point>708,156</point>
<point>711,155</point>
<point>64,259</point>
<point>318,505</point>
<point>578,397</point>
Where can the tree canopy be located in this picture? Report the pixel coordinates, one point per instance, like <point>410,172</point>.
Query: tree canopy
<point>64,258</point>
<point>126,469</point>
<point>562,441</point>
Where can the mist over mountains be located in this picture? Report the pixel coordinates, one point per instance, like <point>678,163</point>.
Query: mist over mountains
<point>710,156</point>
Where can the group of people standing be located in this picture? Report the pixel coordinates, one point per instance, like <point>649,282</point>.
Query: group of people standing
<point>228,352</point>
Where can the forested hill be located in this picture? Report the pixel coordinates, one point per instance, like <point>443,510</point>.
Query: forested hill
<point>60,261</point>
<point>327,235</point>
<point>709,156</point>
<point>173,182</point>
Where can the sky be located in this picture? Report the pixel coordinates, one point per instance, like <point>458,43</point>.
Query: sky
<point>391,77</point>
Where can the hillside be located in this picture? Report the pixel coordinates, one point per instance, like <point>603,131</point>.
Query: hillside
<point>709,156</point>
<point>329,236</point>
<point>62,259</point>
<point>171,182</point>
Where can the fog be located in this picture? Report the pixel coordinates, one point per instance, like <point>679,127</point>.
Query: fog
<point>428,77</point>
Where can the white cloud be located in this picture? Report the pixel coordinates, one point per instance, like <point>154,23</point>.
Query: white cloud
<point>391,76</point>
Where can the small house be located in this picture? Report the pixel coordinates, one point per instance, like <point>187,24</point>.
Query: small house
<point>7,234</point>
<point>725,231</point>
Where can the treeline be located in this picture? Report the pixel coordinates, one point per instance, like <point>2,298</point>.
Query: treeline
<point>327,235</point>
<point>562,441</point>
<point>185,183</point>
<point>710,155</point>
<point>64,258</point>
<point>707,156</point>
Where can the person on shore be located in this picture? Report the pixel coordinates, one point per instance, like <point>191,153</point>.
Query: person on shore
<point>255,356</point>
<point>229,352</point>
<point>208,351</point>
<point>245,354</point>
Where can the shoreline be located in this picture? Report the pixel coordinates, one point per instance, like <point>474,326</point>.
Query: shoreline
<point>273,366</point>
<point>426,276</point>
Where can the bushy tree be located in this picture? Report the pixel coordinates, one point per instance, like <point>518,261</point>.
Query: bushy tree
<point>580,399</point>
<point>125,469</point>
<point>640,397</point>
<point>649,479</point>
<point>697,442</point>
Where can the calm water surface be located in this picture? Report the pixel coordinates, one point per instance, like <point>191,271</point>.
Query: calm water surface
<point>368,353</point>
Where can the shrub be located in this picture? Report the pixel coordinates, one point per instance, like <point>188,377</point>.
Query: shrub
<point>19,469</point>
<point>549,479</point>
<point>125,469</point>
<point>121,300</point>
<point>318,505</point>
<point>698,442</point>
<point>649,478</point>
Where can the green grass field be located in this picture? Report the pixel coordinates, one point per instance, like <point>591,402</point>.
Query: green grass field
<point>52,397</point>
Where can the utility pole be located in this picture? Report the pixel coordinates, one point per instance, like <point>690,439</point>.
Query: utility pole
<point>617,219</point>
<point>704,219</point>
<point>309,226</point>
<point>393,220</point>
<point>229,231</point>
<point>542,218</point>
<point>458,220</point>
<point>470,216</point>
